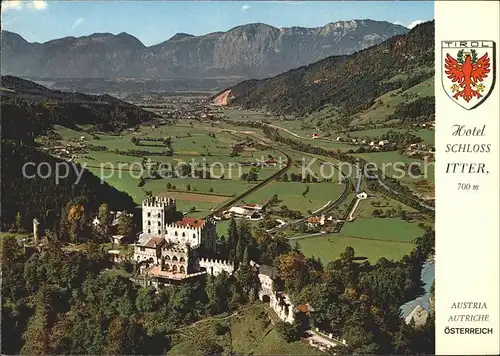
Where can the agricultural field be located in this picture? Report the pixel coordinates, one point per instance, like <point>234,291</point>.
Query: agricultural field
<point>328,247</point>
<point>392,164</point>
<point>385,104</point>
<point>372,133</point>
<point>291,194</point>
<point>383,229</point>
<point>203,145</point>
<point>370,237</point>
<point>427,136</point>
<point>367,206</point>
<point>249,331</point>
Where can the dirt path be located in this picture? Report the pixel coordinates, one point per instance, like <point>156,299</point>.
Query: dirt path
<point>298,136</point>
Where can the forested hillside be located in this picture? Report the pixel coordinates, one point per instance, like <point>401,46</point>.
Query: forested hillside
<point>29,110</point>
<point>352,82</point>
<point>69,109</point>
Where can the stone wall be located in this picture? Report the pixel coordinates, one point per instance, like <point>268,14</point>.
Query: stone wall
<point>215,267</point>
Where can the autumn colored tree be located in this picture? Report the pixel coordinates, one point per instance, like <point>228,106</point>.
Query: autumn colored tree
<point>293,270</point>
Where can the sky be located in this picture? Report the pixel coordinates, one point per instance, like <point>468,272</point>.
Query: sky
<point>153,21</point>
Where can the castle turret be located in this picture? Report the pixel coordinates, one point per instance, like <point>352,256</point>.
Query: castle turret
<point>156,212</point>
<point>35,231</point>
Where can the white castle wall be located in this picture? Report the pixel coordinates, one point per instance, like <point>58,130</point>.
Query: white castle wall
<point>175,259</point>
<point>284,312</point>
<point>192,236</point>
<point>142,253</point>
<point>183,234</point>
<point>215,267</point>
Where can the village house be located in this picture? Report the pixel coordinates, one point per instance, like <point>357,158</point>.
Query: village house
<point>271,162</point>
<point>279,301</point>
<point>244,212</point>
<point>316,221</point>
<point>252,206</point>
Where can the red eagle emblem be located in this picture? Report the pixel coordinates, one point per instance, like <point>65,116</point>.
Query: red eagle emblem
<point>468,72</point>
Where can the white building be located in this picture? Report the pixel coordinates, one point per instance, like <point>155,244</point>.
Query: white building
<point>191,231</point>
<point>148,249</point>
<point>156,213</point>
<point>170,249</point>
<point>266,276</point>
<point>214,267</point>
<point>362,195</point>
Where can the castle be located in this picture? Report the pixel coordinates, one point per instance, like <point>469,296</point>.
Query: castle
<point>170,250</point>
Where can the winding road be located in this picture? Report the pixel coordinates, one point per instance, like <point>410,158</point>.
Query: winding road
<point>259,185</point>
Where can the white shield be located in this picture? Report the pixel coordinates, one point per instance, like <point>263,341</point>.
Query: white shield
<point>468,71</point>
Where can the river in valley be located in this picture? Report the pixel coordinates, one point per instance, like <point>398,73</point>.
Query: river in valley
<point>427,278</point>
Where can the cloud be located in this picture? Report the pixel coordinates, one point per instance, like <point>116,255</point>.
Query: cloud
<point>397,23</point>
<point>11,5</point>
<point>77,22</point>
<point>415,23</point>
<point>245,7</point>
<point>39,4</point>
<point>19,5</point>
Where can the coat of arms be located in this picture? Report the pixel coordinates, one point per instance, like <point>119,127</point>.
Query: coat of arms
<point>468,71</point>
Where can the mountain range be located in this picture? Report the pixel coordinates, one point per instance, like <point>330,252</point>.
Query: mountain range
<point>250,51</point>
<point>348,83</point>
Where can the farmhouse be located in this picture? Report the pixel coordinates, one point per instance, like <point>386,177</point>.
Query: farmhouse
<point>315,221</point>
<point>362,195</point>
<point>251,206</point>
<point>244,212</point>
<point>271,162</point>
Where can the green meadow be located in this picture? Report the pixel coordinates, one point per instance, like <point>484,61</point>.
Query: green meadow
<point>328,247</point>
<point>291,194</point>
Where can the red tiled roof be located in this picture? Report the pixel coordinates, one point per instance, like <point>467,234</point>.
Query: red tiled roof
<point>313,219</point>
<point>151,242</point>
<point>191,222</point>
<point>303,308</point>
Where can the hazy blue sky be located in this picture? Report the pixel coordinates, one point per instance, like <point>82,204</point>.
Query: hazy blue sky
<point>156,21</point>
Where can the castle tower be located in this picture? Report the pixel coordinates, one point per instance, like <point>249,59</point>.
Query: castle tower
<point>35,231</point>
<point>156,212</point>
